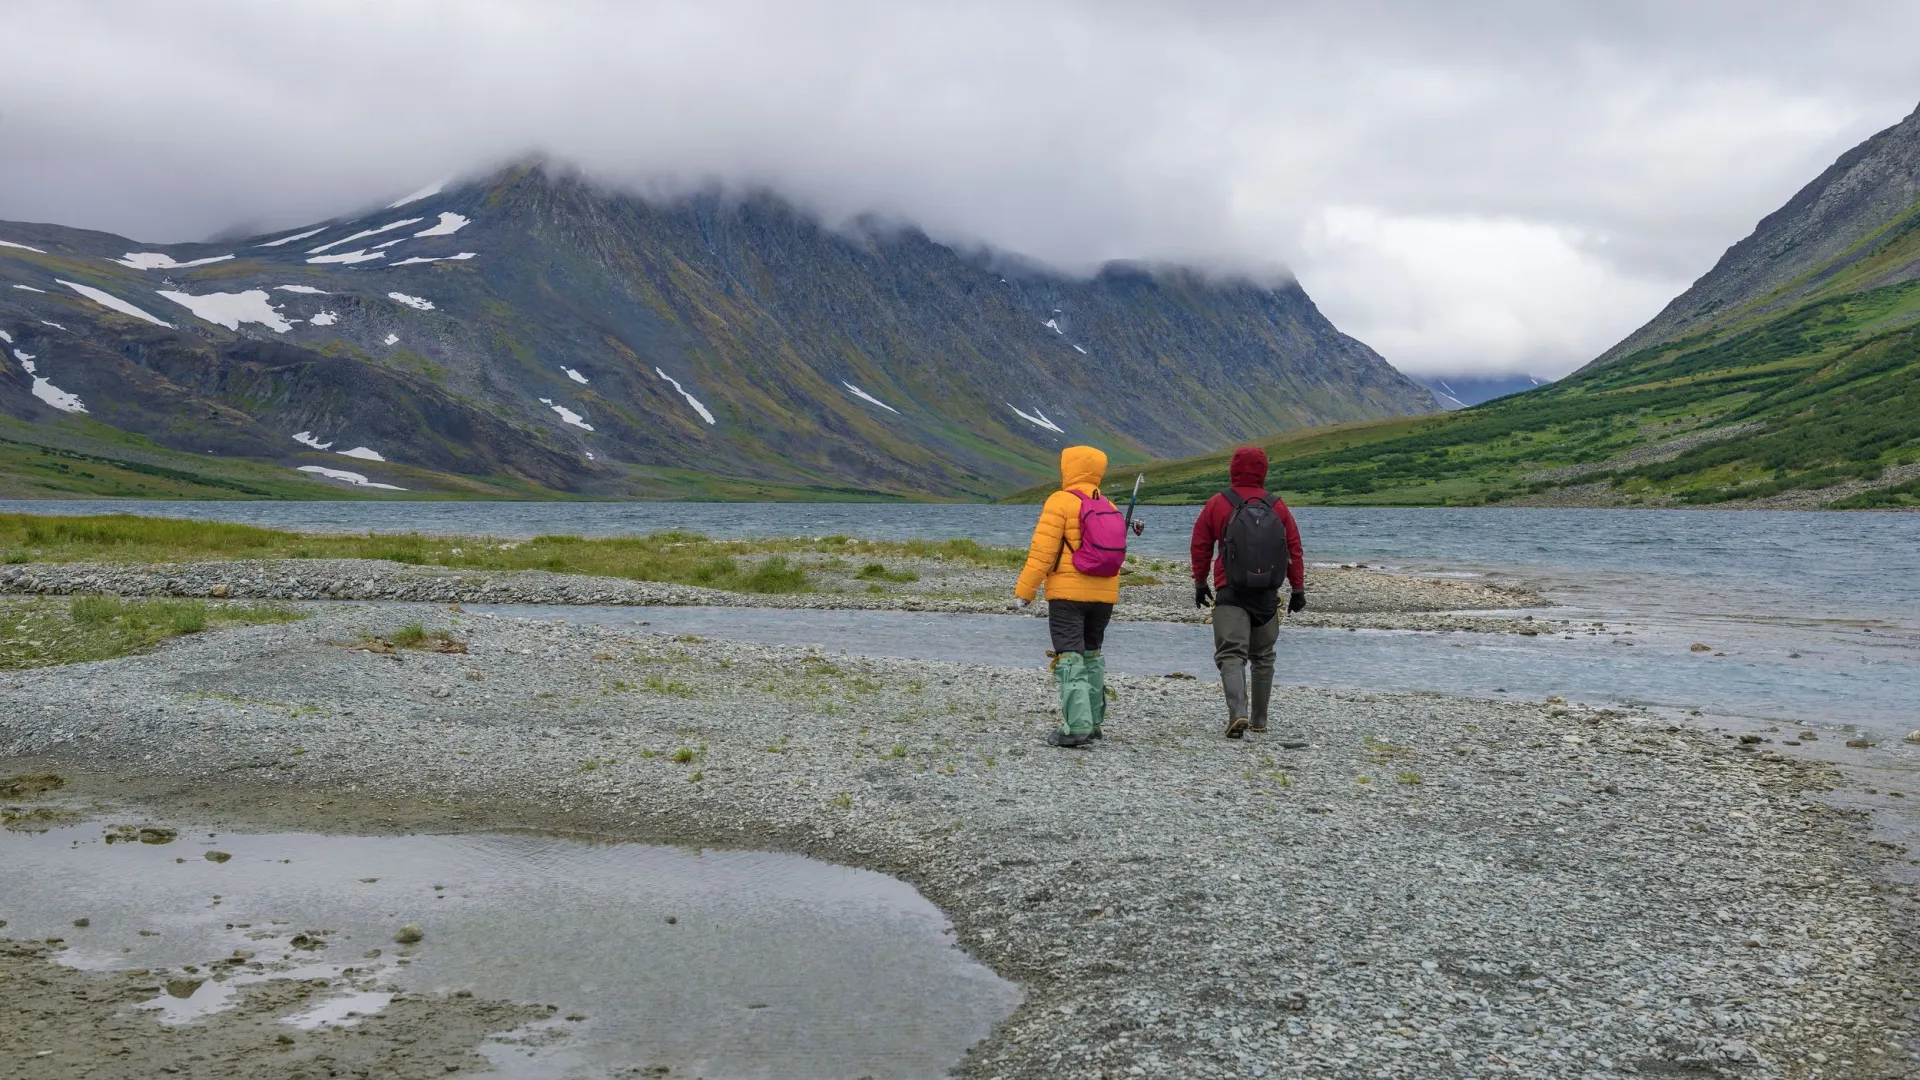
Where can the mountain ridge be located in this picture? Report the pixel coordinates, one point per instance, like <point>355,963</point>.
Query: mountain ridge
<point>1792,252</point>
<point>583,341</point>
<point>1788,376</point>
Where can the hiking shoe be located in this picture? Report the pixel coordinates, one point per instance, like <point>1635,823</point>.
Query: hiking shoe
<point>1068,742</point>
<point>1237,727</point>
<point>1097,734</point>
<point>1259,725</point>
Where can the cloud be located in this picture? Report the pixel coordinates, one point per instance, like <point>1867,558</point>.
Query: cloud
<point>1387,152</point>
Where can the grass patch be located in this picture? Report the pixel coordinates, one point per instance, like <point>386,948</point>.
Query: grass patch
<point>752,566</point>
<point>412,636</point>
<point>44,631</point>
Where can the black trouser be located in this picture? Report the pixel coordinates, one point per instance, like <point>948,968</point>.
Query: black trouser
<point>1078,625</point>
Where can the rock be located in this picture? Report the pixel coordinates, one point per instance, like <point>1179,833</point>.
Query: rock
<point>157,834</point>
<point>183,988</point>
<point>216,856</point>
<point>1700,646</point>
<point>306,941</point>
<point>27,785</point>
<point>409,934</point>
<point>1913,736</point>
<point>1809,736</point>
<point>1859,744</point>
<point>219,590</point>
<point>1750,738</point>
<point>83,923</point>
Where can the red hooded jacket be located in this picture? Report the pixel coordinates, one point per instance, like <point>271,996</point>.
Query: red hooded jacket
<point>1248,473</point>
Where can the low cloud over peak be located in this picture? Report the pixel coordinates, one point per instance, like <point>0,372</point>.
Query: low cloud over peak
<point>1468,187</point>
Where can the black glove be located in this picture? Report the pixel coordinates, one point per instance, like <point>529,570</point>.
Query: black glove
<point>1202,594</point>
<point>1298,601</point>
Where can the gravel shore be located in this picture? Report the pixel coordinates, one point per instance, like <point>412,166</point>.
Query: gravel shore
<point>1340,597</point>
<point>1435,888</point>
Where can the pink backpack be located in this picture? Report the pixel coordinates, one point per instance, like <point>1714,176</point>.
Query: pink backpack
<point>1103,537</point>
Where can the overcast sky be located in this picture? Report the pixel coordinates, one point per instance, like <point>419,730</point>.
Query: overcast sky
<point>1466,186</point>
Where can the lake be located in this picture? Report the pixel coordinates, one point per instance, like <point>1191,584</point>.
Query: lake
<point>1818,614</point>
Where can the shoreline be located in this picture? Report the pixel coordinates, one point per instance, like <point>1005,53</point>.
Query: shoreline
<point>1259,907</point>
<point>1338,597</point>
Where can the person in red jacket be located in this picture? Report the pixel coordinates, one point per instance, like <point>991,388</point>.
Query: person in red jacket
<point>1245,620</point>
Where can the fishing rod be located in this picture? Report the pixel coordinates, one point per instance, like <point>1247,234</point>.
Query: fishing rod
<point>1141,528</point>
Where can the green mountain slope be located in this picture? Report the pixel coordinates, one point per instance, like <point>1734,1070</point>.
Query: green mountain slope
<point>531,333</point>
<point>1787,376</point>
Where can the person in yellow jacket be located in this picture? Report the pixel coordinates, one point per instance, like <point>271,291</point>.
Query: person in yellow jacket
<point>1078,605</point>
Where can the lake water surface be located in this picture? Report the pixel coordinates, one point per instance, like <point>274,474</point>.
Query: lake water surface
<point>1817,615</point>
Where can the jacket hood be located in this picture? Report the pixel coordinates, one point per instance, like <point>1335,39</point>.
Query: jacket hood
<point>1086,465</point>
<point>1249,468</point>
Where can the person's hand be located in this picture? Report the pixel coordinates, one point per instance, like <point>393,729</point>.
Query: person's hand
<point>1139,528</point>
<point>1297,602</point>
<point>1202,594</point>
<point>1021,603</point>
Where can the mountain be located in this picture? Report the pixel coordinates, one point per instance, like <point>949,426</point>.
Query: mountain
<point>1787,376</point>
<point>532,333</point>
<point>1830,238</point>
<point>1460,391</point>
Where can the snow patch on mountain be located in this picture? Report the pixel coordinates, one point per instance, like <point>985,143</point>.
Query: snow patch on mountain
<point>29,288</point>
<point>417,259</point>
<point>108,300</point>
<point>359,256</point>
<point>414,302</point>
<point>388,227</point>
<point>45,390</point>
<point>1080,350</point>
<point>6,337</point>
<point>364,453</point>
<point>864,396</point>
<point>308,438</point>
<point>388,244</point>
<point>449,224</point>
<point>691,400</point>
<point>1039,420</point>
<point>575,376</point>
<point>424,193</point>
<point>295,236</point>
<point>305,290</point>
<point>568,415</point>
<point>391,339</point>
<point>1053,325</point>
<point>232,309</point>
<point>344,476</point>
<point>22,247</point>
<point>326,318</point>
<point>55,325</point>
<point>154,260</point>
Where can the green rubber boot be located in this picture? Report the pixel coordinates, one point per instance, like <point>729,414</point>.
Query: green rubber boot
<point>1076,702</point>
<point>1097,689</point>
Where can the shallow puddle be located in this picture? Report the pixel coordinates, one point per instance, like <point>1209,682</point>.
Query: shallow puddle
<point>712,963</point>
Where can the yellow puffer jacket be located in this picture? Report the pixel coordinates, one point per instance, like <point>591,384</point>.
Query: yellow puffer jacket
<point>1048,561</point>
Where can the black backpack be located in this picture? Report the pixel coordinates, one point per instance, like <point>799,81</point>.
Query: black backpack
<point>1253,547</point>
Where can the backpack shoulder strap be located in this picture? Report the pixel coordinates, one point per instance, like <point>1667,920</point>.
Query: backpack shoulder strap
<point>1233,498</point>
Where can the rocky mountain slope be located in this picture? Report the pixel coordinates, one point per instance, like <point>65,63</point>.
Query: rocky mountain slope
<point>1788,376</point>
<point>532,333</point>
<point>1826,238</point>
